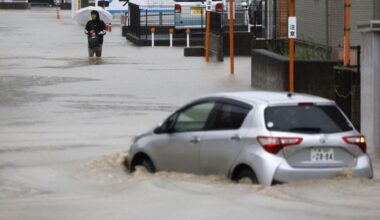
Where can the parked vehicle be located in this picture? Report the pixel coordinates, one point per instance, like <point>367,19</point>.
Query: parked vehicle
<point>192,13</point>
<point>263,137</point>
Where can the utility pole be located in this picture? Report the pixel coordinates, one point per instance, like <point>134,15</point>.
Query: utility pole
<point>231,13</point>
<point>208,18</point>
<point>291,49</point>
<point>347,30</point>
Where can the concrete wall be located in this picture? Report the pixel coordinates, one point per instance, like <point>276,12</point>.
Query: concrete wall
<point>321,21</point>
<point>370,86</point>
<point>270,71</point>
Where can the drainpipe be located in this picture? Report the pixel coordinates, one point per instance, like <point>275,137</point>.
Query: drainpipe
<point>346,49</point>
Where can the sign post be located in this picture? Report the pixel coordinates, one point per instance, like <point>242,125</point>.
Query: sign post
<point>231,17</point>
<point>208,17</point>
<point>292,34</point>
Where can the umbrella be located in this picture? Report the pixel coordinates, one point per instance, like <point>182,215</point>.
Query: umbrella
<point>84,15</point>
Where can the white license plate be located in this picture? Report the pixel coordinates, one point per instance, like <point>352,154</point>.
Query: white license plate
<point>322,154</point>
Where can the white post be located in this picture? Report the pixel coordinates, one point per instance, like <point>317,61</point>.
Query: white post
<point>152,39</point>
<point>187,39</point>
<point>96,3</point>
<point>74,7</point>
<point>171,39</point>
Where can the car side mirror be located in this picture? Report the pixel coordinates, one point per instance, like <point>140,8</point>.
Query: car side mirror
<point>167,127</point>
<point>162,130</point>
<point>158,130</point>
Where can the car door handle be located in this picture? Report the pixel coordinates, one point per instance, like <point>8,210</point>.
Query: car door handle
<point>195,140</point>
<point>236,138</point>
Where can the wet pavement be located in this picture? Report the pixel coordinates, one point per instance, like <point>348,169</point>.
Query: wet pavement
<point>66,122</point>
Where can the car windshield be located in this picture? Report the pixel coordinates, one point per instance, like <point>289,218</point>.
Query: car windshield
<point>306,119</point>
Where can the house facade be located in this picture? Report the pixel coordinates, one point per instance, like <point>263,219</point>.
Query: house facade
<point>322,21</point>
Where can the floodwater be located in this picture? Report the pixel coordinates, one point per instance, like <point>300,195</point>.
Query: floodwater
<point>66,123</point>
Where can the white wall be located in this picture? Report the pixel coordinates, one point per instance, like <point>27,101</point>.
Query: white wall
<point>370,87</point>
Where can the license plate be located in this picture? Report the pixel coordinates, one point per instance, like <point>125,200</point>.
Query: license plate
<point>322,154</point>
<point>196,11</point>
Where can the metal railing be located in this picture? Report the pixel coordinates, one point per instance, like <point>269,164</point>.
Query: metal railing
<point>14,1</point>
<point>242,22</point>
<point>141,18</point>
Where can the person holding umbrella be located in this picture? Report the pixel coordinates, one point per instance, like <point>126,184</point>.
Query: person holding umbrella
<point>95,30</point>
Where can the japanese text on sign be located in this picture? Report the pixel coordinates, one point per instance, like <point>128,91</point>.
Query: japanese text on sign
<point>292,28</point>
<point>208,5</point>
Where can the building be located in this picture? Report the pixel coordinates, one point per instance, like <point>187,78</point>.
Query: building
<point>321,21</point>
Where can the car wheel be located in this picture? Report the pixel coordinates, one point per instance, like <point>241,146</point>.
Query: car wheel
<point>146,163</point>
<point>246,176</point>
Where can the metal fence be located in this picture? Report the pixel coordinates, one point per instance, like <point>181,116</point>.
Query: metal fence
<point>242,22</point>
<point>141,18</point>
<point>347,89</point>
<point>13,1</point>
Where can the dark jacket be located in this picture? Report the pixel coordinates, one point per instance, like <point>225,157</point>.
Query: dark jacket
<point>98,26</point>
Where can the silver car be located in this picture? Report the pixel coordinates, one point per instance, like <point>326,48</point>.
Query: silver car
<point>262,137</point>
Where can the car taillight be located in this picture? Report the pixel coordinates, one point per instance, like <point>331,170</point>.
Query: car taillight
<point>177,8</point>
<point>276,144</point>
<point>357,140</point>
<point>219,7</point>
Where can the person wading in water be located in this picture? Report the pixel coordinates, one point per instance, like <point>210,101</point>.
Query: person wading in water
<point>95,30</point>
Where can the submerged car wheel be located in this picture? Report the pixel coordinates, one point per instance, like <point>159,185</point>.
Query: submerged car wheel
<point>144,161</point>
<point>245,176</point>
<point>148,165</point>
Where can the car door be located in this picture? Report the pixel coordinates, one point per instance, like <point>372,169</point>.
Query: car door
<point>179,149</point>
<point>225,139</point>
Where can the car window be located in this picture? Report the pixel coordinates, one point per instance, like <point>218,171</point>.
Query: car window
<point>194,118</point>
<point>306,119</point>
<point>229,117</point>
<point>168,124</point>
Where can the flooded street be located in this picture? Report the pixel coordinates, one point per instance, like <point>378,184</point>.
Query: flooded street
<point>66,123</point>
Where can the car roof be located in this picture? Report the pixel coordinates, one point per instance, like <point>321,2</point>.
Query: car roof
<point>272,98</point>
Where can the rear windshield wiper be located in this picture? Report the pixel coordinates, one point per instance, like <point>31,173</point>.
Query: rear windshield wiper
<point>307,129</point>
